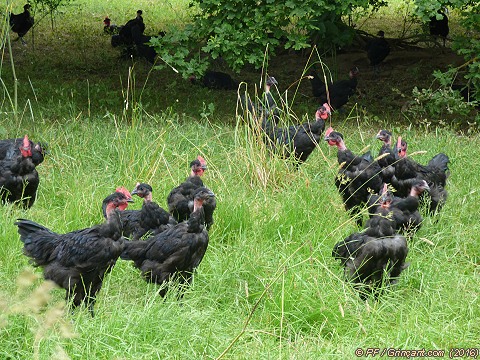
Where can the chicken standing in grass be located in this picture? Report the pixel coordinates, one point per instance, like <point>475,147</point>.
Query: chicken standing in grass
<point>386,156</point>
<point>358,176</point>
<point>19,178</point>
<point>180,199</point>
<point>435,173</point>
<point>336,94</point>
<point>176,252</point>
<point>298,141</point>
<point>371,262</point>
<point>79,260</point>
<point>21,23</point>
<point>402,211</point>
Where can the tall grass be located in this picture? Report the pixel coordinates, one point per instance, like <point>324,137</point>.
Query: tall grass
<point>268,287</point>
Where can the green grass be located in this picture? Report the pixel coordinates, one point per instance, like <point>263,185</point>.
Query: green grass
<point>268,286</point>
<point>269,259</point>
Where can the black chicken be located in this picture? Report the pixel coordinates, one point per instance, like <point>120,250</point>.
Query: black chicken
<point>176,252</point>
<point>439,27</point>
<point>298,141</point>
<point>337,93</point>
<point>357,176</point>
<point>216,80</point>
<point>180,199</point>
<point>19,178</point>
<point>381,222</point>
<point>377,50</point>
<point>10,148</point>
<point>386,156</point>
<point>370,262</point>
<point>125,36</point>
<point>150,220</point>
<point>266,109</point>
<point>77,261</point>
<point>21,23</point>
<point>405,211</point>
<point>402,211</point>
<point>435,173</point>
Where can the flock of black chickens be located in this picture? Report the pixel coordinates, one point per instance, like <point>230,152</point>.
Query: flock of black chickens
<point>163,245</point>
<point>169,244</point>
<point>391,186</point>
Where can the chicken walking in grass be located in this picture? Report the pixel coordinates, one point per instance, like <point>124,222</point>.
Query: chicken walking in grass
<point>358,176</point>
<point>181,199</point>
<point>79,260</point>
<point>435,173</point>
<point>21,23</point>
<point>19,178</point>
<point>377,50</point>
<point>176,252</point>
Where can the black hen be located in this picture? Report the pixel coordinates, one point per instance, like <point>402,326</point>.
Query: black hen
<point>77,261</point>
<point>381,222</point>
<point>439,27</point>
<point>180,199</point>
<point>175,253</point>
<point>402,211</point>
<point>10,148</point>
<point>298,141</point>
<point>150,220</point>
<point>337,93</point>
<point>266,110</point>
<point>386,156</point>
<point>357,178</point>
<point>435,173</point>
<point>377,50</point>
<point>125,34</point>
<point>216,80</point>
<point>21,23</point>
<point>19,178</point>
<point>370,262</point>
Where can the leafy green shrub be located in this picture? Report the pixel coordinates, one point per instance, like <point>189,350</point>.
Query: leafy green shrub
<point>441,104</point>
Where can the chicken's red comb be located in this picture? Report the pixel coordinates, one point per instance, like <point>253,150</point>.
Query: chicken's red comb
<point>202,160</point>
<point>329,131</point>
<point>399,143</point>
<point>124,191</point>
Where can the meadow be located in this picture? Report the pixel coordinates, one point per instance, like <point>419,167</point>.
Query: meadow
<point>268,286</point>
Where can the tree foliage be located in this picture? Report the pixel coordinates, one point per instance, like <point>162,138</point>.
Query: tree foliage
<point>240,32</point>
<point>466,44</point>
